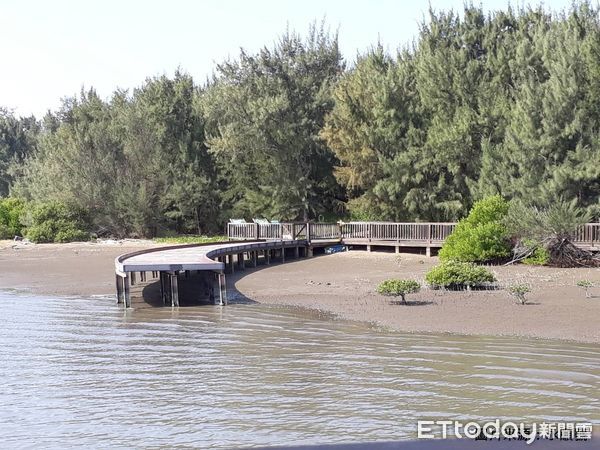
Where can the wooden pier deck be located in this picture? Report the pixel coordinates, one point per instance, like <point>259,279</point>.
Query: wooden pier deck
<point>166,264</point>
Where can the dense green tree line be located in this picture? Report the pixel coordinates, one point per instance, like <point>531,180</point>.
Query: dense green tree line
<point>501,104</point>
<point>505,103</point>
<point>137,164</point>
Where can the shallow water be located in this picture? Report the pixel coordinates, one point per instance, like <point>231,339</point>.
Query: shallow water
<point>82,372</point>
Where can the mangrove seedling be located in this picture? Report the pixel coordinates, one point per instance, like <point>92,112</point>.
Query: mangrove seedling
<point>518,291</point>
<point>586,285</point>
<point>398,288</point>
<point>459,275</point>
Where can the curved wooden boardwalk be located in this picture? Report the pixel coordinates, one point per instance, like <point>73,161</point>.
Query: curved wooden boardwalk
<point>166,264</point>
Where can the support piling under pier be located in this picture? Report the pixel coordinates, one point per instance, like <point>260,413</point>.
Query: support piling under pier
<point>126,291</point>
<point>119,283</point>
<point>174,278</point>
<point>222,289</point>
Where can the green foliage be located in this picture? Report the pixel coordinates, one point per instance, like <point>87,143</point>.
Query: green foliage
<point>18,139</point>
<point>41,233</point>
<point>481,236</point>
<point>490,209</point>
<point>11,210</point>
<point>552,229</point>
<point>559,220</point>
<point>190,239</point>
<point>398,288</point>
<point>263,114</point>
<point>486,242</point>
<point>518,291</point>
<point>70,234</point>
<point>481,104</point>
<point>458,275</point>
<point>137,164</point>
<point>539,257</point>
<point>363,209</point>
<point>57,222</point>
<point>586,285</point>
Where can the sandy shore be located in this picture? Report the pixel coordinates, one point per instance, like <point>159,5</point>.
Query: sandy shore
<point>343,284</point>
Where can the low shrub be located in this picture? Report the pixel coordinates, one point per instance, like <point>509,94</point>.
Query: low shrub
<point>398,288</point>
<point>71,235</point>
<point>458,275</point>
<point>481,236</point>
<point>539,257</point>
<point>41,233</point>
<point>586,285</point>
<point>518,291</point>
<point>11,210</point>
<point>57,222</point>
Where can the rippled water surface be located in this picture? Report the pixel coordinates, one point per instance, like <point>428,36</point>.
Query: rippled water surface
<point>81,372</point>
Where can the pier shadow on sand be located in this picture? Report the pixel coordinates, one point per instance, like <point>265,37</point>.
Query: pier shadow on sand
<point>193,291</point>
<point>413,302</point>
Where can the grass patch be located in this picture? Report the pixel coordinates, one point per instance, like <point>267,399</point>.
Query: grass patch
<point>190,239</point>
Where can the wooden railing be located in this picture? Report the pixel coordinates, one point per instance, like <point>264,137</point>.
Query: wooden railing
<point>426,232</point>
<point>381,231</point>
<point>286,231</point>
<point>589,233</point>
<point>325,231</point>
<point>242,231</point>
<point>388,231</point>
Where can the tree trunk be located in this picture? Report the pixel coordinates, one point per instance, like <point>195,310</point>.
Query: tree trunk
<point>198,222</point>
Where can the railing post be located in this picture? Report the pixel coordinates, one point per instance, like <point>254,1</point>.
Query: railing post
<point>308,232</point>
<point>257,231</point>
<point>429,233</point>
